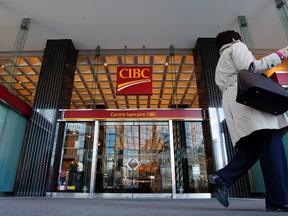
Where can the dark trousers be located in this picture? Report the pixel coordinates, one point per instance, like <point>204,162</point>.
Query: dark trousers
<point>267,146</point>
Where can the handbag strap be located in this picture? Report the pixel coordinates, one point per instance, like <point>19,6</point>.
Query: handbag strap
<point>252,67</point>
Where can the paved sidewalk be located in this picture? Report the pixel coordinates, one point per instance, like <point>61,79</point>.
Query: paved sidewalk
<point>16,206</point>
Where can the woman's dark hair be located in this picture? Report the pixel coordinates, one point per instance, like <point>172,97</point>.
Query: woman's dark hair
<point>226,37</point>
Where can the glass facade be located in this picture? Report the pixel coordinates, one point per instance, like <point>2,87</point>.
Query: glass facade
<point>11,123</point>
<point>75,171</point>
<point>134,157</point>
<point>191,159</point>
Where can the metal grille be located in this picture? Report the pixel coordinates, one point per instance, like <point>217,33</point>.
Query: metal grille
<point>34,167</point>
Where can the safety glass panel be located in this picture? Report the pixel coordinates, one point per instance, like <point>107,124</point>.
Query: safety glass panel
<point>133,157</point>
<point>75,172</point>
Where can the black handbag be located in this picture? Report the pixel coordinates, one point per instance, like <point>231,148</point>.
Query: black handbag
<point>260,92</point>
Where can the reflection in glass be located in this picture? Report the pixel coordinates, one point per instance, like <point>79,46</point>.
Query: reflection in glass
<point>75,172</point>
<point>133,157</point>
<point>190,157</point>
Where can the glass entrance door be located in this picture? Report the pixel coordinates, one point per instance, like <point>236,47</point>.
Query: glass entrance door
<point>75,167</point>
<point>133,157</point>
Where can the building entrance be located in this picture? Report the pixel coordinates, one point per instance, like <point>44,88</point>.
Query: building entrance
<point>133,157</point>
<point>134,153</point>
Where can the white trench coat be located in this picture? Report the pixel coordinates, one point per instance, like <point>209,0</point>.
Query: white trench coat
<point>243,120</point>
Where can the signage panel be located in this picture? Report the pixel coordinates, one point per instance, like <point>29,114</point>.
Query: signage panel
<point>132,80</point>
<point>145,114</point>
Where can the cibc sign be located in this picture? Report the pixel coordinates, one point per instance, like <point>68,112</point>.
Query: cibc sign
<point>134,80</point>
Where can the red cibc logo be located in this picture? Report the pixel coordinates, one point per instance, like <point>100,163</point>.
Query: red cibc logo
<point>134,80</point>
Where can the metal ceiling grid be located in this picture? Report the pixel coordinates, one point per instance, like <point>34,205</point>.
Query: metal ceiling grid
<point>174,78</point>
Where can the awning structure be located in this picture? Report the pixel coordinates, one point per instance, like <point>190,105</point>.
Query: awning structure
<point>173,81</point>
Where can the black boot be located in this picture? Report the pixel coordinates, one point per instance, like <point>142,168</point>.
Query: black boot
<point>219,189</point>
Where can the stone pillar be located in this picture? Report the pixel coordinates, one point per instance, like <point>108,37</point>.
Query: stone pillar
<point>53,92</point>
